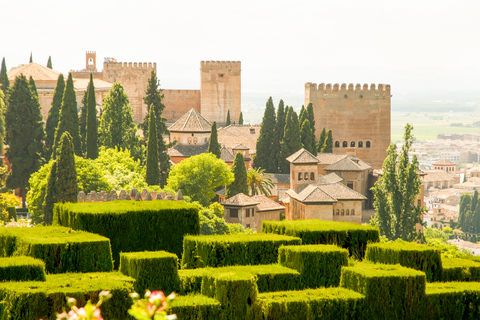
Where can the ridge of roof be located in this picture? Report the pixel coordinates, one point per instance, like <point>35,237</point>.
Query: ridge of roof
<point>302,156</point>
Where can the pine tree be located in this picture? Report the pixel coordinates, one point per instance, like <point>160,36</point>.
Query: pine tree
<point>291,141</point>
<point>240,119</point>
<point>265,142</point>
<point>68,119</point>
<point>213,145</point>
<point>308,140</point>
<point>279,130</point>
<point>91,125</point>
<point>321,141</point>
<point>4,82</point>
<point>66,187</point>
<point>50,195</point>
<point>31,57</point>
<point>54,115</point>
<point>24,134</point>
<point>153,170</point>
<point>328,143</point>
<point>240,184</point>
<point>49,62</point>
<point>229,122</point>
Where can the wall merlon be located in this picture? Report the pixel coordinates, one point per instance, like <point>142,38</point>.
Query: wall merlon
<point>231,65</point>
<point>134,65</point>
<point>91,52</point>
<point>329,88</point>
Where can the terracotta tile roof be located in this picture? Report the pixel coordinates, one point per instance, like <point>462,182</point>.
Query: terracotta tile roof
<point>340,191</point>
<point>302,156</point>
<point>180,150</point>
<point>329,178</point>
<point>82,84</point>
<point>38,72</point>
<point>236,134</point>
<point>226,155</point>
<point>443,161</point>
<point>192,121</point>
<point>240,147</point>
<point>221,192</point>
<point>311,193</point>
<point>329,158</point>
<point>240,200</point>
<point>265,204</point>
<point>279,177</point>
<point>348,164</point>
<point>438,175</point>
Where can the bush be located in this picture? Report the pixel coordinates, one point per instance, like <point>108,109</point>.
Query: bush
<point>457,269</point>
<point>319,265</point>
<point>43,299</point>
<point>151,270</point>
<point>351,236</point>
<point>12,213</point>
<point>22,269</point>
<point>452,300</point>
<point>408,254</point>
<point>230,250</point>
<point>62,249</point>
<point>391,291</point>
<point>133,226</point>
<point>195,307</point>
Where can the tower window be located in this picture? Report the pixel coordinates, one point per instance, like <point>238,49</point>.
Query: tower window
<point>337,144</point>
<point>345,144</point>
<point>348,212</point>
<point>338,212</point>
<point>312,176</point>
<point>90,61</point>
<point>233,213</point>
<point>306,176</point>
<point>299,176</point>
<point>360,144</point>
<point>367,144</point>
<point>352,144</point>
<point>342,213</point>
<point>220,75</point>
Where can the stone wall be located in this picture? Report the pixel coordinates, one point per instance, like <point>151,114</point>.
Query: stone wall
<point>179,102</point>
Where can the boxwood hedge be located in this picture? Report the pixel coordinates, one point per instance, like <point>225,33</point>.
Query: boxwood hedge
<point>457,269</point>
<point>196,307</point>
<point>22,269</point>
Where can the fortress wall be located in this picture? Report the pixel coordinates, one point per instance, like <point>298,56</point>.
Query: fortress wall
<point>220,87</point>
<point>45,97</point>
<point>86,75</point>
<point>354,113</point>
<point>179,102</point>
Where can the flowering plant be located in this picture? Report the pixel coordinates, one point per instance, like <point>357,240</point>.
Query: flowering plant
<point>89,312</point>
<point>20,223</point>
<point>151,307</point>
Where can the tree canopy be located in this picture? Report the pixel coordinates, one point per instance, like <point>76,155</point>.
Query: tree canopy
<point>259,182</point>
<point>308,139</point>
<point>4,82</point>
<point>240,183</point>
<point>49,62</point>
<point>91,122</point>
<point>2,124</point>
<point>229,121</point>
<point>469,213</point>
<point>240,119</point>
<point>153,170</point>
<point>265,147</point>
<point>213,145</point>
<point>54,115</point>
<point>291,141</point>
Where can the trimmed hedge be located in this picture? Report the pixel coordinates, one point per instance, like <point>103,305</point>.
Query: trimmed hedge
<point>12,213</point>
<point>457,269</point>
<point>133,225</point>
<point>62,249</point>
<point>452,300</point>
<point>408,254</point>
<point>43,299</point>
<point>310,304</point>
<point>22,269</point>
<point>230,250</point>
<point>319,265</point>
<point>391,291</point>
<point>156,270</point>
<point>196,307</point>
<point>351,236</point>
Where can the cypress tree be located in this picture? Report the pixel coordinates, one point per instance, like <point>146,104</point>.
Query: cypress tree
<point>476,220</point>
<point>37,106</point>
<point>291,141</point>
<point>302,116</point>
<point>465,205</point>
<point>82,120</point>
<point>321,141</point>
<point>474,201</point>
<point>2,123</point>
<point>66,187</point>
<point>240,119</point>
<point>24,134</point>
<point>153,170</point>
<point>311,116</point>
<point>279,129</point>
<point>4,82</point>
<point>31,57</point>
<point>92,128</point>
<point>54,115</point>
<point>228,119</point>
<point>240,184</point>
<point>308,141</point>
<point>213,145</point>
<point>328,143</point>
<point>50,195</point>
<point>68,119</point>
<point>265,142</point>
<point>49,62</point>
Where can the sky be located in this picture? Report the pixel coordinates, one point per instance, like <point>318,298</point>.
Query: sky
<point>425,49</point>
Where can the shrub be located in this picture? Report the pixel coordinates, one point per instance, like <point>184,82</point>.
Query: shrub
<point>43,299</point>
<point>319,265</point>
<point>229,250</point>
<point>22,269</point>
<point>351,236</point>
<point>151,270</point>
<point>452,300</point>
<point>408,254</point>
<point>391,291</point>
<point>457,269</point>
<point>133,225</point>
<point>12,213</point>
<point>196,307</point>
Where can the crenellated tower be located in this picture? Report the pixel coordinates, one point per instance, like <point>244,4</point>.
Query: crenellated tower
<point>91,61</point>
<point>359,117</point>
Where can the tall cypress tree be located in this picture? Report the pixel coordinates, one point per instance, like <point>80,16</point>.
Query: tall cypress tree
<point>240,119</point>
<point>265,142</point>
<point>24,134</point>
<point>311,118</point>
<point>50,195</point>
<point>2,123</point>
<point>4,82</point>
<point>36,101</point>
<point>291,141</point>
<point>153,170</point>
<point>68,120</point>
<point>302,116</point>
<point>474,201</point>
<point>31,57</point>
<point>53,116</point>
<point>321,141</point>
<point>66,186</point>
<point>92,125</point>
<point>49,62</point>
<point>229,122</point>
<point>213,145</point>
<point>328,143</point>
<point>279,130</point>
<point>240,184</point>
<point>308,140</point>
<point>465,205</point>
<point>82,120</point>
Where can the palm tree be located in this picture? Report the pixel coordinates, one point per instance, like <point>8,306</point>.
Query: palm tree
<point>259,182</point>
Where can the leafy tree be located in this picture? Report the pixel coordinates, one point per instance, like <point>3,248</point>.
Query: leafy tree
<point>24,134</point>
<point>50,195</point>
<point>153,170</point>
<point>66,186</point>
<point>279,130</point>
<point>4,82</point>
<point>291,141</point>
<point>229,122</point>
<point>117,129</point>
<point>311,117</point>
<point>2,126</point>
<point>213,145</point>
<point>68,119</point>
<point>308,139</point>
<point>266,140</point>
<point>31,58</point>
<point>212,222</point>
<point>328,148</point>
<point>259,182</point>
<point>54,115</point>
<point>49,62</point>
<point>199,176</point>
<point>321,141</point>
<point>240,119</point>
<point>396,192</point>
<point>91,125</point>
<point>240,184</point>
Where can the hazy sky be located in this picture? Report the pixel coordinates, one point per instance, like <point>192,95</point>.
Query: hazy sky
<point>415,46</point>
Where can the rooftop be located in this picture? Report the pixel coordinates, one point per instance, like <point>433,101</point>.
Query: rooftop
<point>36,71</point>
<point>240,200</point>
<point>192,121</point>
<point>302,156</point>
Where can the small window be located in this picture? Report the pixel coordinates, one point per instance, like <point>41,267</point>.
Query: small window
<point>252,130</point>
<point>206,139</point>
<point>345,144</point>
<point>189,140</point>
<point>247,213</point>
<point>195,140</point>
<point>342,212</point>
<point>367,144</point>
<point>253,212</point>
<point>337,144</point>
<point>220,75</point>
<point>353,212</point>
<point>305,175</point>
<point>338,212</point>
<point>312,176</point>
<point>348,212</point>
<point>300,176</point>
<point>350,184</point>
<point>352,144</point>
<point>90,61</point>
<point>193,134</point>
<point>233,213</point>
<point>360,144</point>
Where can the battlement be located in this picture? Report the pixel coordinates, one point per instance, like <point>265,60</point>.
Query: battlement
<point>91,52</point>
<point>329,88</point>
<point>131,65</point>
<point>233,65</point>
<point>183,92</point>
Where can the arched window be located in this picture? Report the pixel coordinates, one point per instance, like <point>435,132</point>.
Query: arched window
<point>312,176</point>
<point>338,212</point>
<point>348,212</point>
<point>345,144</point>
<point>299,176</point>
<point>306,176</point>
<point>337,144</point>
<point>206,139</point>
<point>353,212</point>
<point>189,140</point>
<point>367,144</point>
<point>90,61</point>
<point>342,213</point>
<point>195,140</point>
<point>360,144</point>
<point>352,144</point>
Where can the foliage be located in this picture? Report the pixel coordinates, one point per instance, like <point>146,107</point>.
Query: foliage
<point>228,122</point>
<point>311,119</point>
<point>153,306</point>
<point>4,82</point>
<point>22,269</point>
<point>199,176</point>
<point>240,119</point>
<point>396,191</point>
<point>49,62</point>
<point>307,137</point>
<point>82,120</point>
<point>291,141</point>
<point>448,250</point>
<point>240,183</point>
<point>259,182</point>
<point>65,185</point>
<point>328,146</point>
<point>89,312</point>
<point>451,300</point>
<point>469,213</point>
<point>265,146</point>
<point>53,116</point>
<point>321,141</point>
<point>2,125</point>
<point>31,58</point>
<point>153,170</point>
<point>213,145</point>
<point>279,130</point>
<point>91,125</point>
<point>51,195</point>
<point>458,269</point>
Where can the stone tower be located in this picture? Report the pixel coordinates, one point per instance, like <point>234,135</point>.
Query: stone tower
<point>91,61</point>
<point>220,90</point>
<point>359,118</point>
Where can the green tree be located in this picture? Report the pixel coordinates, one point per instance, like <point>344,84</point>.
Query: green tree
<point>279,130</point>
<point>328,148</point>
<point>31,57</point>
<point>82,120</point>
<point>229,122</point>
<point>259,182</point>
<point>465,205</point>
<point>54,115</point>
<point>4,82</point>
<point>199,176</point>
<point>474,201</point>
<point>213,145</point>
<point>396,191</point>
<point>66,186</point>
<point>291,141</point>
<point>266,140</point>
<point>308,139</point>
<point>117,129</point>
<point>302,116</point>
<point>311,117</point>
<point>50,195</point>
<point>2,126</point>
<point>49,62</point>
<point>24,135</point>
<point>68,119</point>
<point>153,170</point>
<point>36,101</point>
<point>240,119</point>
<point>91,125</point>
<point>321,141</point>
<point>240,184</point>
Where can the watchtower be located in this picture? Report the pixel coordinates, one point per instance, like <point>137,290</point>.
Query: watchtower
<point>91,61</point>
